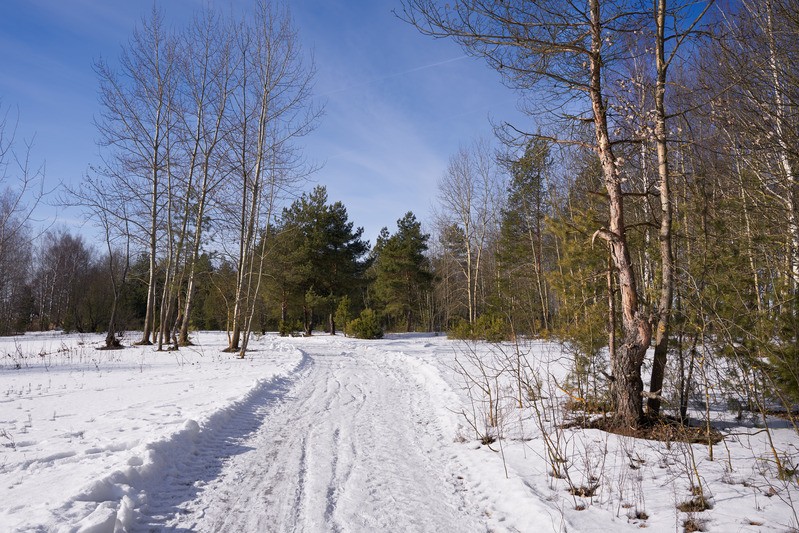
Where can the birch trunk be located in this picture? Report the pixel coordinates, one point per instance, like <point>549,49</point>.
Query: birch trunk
<point>664,237</point>
<point>627,361</point>
<point>786,164</point>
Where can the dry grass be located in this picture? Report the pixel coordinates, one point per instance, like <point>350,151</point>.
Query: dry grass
<point>695,505</point>
<point>664,429</point>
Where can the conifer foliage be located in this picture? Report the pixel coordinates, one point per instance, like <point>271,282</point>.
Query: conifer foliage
<point>402,272</point>
<point>522,234</point>
<point>323,259</point>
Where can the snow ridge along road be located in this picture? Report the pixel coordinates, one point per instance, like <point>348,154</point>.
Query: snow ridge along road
<point>354,444</point>
<point>86,436</point>
<point>176,468</point>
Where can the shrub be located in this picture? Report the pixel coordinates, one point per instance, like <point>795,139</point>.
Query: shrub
<point>343,314</point>
<point>366,326</point>
<point>783,363</point>
<point>461,330</point>
<point>287,327</point>
<point>491,328</point>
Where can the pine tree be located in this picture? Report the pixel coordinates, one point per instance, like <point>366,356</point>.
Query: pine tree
<point>402,270</point>
<point>324,256</point>
<point>585,323</point>
<point>521,245</point>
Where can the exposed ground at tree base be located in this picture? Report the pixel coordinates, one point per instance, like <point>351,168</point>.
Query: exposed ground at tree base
<point>664,429</point>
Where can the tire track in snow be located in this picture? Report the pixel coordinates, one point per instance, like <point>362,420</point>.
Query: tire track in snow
<point>299,495</point>
<point>332,487</point>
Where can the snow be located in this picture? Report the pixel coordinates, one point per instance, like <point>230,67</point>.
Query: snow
<point>336,434</point>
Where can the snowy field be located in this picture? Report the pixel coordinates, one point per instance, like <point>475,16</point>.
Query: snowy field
<point>334,434</point>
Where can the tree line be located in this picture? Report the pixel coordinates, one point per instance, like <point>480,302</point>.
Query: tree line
<point>318,274</point>
<point>655,203</point>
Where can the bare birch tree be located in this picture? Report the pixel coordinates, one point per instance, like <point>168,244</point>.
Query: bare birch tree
<point>196,167</point>
<point>566,52</point>
<point>665,54</point>
<point>469,196</point>
<point>207,72</point>
<point>107,210</point>
<point>135,125</point>
<point>760,58</point>
<point>271,109</point>
<point>21,191</point>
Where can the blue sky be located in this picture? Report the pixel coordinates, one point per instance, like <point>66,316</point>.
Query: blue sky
<point>397,103</point>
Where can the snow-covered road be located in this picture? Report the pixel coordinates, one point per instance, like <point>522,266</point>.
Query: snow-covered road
<point>353,444</point>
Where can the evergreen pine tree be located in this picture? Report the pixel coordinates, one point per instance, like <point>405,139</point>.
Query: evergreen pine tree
<point>323,256</point>
<point>521,245</point>
<point>402,270</point>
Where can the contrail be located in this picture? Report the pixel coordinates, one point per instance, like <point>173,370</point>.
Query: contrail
<point>395,75</point>
<point>431,65</point>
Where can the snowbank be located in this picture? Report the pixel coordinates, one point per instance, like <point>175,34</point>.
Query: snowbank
<point>88,436</point>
